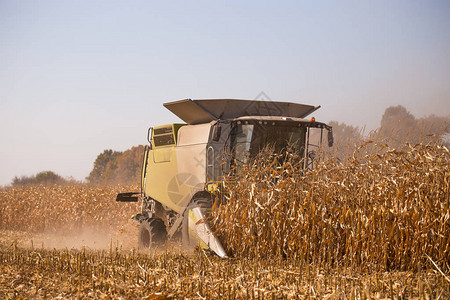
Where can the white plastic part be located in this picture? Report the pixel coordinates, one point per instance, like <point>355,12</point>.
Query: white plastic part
<point>202,230</point>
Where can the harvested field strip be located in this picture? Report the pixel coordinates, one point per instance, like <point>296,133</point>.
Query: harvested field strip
<point>113,274</point>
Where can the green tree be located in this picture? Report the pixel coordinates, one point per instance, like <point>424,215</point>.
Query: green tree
<point>112,167</point>
<point>45,177</point>
<point>101,164</point>
<point>23,180</point>
<point>129,166</point>
<point>48,177</point>
<point>125,168</point>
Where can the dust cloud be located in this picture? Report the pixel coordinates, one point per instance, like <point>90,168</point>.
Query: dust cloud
<point>124,238</point>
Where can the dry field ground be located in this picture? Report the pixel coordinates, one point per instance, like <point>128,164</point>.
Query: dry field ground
<point>373,227</point>
<point>105,274</point>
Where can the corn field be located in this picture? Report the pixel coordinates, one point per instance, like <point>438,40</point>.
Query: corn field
<point>64,208</point>
<point>373,227</point>
<point>381,210</point>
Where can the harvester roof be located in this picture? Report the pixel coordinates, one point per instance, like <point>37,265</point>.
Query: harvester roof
<point>207,110</point>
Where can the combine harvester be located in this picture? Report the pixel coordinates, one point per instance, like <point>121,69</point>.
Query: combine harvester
<point>184,163</point>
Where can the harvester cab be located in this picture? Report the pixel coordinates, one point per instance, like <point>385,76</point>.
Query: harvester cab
<point>183,164</point>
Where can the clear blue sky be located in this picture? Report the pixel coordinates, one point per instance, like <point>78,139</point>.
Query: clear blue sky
<point>78,77</point>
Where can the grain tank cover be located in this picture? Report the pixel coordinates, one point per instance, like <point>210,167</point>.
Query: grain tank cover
<point>207,110</point>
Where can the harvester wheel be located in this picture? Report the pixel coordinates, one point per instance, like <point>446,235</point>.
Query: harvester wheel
<point>152,234</point>
<point>205,204</point>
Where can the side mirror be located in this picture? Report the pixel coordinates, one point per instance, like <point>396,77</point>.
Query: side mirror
<point>330,138</point>
<point>150,135</point>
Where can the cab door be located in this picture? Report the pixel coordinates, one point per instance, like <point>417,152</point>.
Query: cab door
<point>218,154</point>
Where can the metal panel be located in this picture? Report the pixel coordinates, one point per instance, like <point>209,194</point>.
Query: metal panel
<point>207,110</point>
<point>189,112</point>
<point>191,135</point>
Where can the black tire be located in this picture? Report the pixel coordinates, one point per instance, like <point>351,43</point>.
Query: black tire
<point>205,204</point>
<point>152,234</point>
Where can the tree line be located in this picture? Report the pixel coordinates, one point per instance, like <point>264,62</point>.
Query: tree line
<point>44,177</point>
<point>110,167</point>
<point>398,126</point>
<point>117,167</point>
